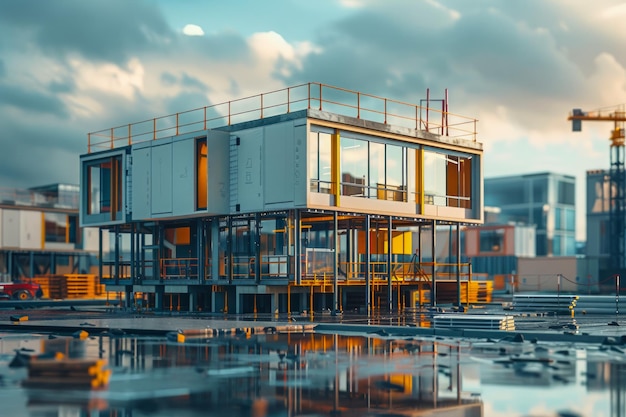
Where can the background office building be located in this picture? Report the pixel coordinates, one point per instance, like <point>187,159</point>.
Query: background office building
<point>545,200</point>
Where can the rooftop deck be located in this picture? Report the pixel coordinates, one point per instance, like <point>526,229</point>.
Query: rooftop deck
<point>316,96</point>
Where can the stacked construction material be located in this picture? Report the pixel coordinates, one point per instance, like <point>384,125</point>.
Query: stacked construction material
<point>473,322</point>
<point>62,373</point>
<point>75,286</point>
<point>81,285</point>
<point>477,292</point>
<point>556,303</point>
<point>53,286</point>
<point>601,304</point>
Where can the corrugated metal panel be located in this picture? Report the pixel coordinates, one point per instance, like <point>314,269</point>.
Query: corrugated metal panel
<point>233,171</point>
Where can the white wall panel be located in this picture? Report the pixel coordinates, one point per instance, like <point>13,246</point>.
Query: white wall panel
<point>183,178</point>
<point>278,163</point>
<point>250,178</point>
<point>218,161</point>
<point>300,165</point>
<point>90,239</point>
<point>30,229</point>
<point>161,187</point>
<point>11,228</point>
<point>141,183</point>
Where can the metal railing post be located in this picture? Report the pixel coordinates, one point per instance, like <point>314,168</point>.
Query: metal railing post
<point>320,96</point>
<point>385,111</point>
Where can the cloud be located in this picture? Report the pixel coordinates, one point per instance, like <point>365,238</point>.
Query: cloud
<point>29,101</point>
<point>97,30</point>
<point>193,30</point>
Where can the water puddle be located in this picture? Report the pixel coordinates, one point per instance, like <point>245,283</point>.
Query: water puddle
<point>312,374</point>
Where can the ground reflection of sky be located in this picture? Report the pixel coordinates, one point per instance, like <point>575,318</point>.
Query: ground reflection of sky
<point>320,372</point>
<point>541,402</point>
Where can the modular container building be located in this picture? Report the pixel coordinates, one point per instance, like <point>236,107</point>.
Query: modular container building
<point>301,199</point>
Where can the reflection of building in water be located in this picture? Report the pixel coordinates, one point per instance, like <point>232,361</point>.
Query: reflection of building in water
<point>536,366</point>
<point>310,373</point>
<point>603,375</point>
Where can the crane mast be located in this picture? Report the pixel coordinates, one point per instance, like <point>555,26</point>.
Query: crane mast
<point>617,179</point>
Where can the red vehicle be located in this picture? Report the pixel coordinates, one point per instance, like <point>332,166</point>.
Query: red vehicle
<point>19,291</point>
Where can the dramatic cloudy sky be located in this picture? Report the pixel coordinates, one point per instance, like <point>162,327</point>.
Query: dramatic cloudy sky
<point>68,67</point>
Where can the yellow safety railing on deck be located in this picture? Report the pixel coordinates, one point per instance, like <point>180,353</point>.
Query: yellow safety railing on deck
<point>313,96</point>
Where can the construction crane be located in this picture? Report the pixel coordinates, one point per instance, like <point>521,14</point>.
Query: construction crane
<point>617,178</point>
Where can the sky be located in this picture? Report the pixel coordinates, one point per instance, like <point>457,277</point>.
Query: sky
<point>69,67</point>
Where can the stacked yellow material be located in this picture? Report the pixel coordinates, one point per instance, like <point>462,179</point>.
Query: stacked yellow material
<point>64,373</point>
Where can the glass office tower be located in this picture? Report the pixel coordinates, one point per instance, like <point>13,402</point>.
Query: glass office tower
<point>546,200</point>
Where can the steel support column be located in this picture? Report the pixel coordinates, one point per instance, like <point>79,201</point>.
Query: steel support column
<point>389,255</point>
<point>335,263</point>
<point>458,265</point>
<point>368,295</point>
<point>433,281</point>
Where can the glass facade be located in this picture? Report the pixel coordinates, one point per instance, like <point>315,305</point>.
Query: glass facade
<point>320,162</point>
<point>546,200</point>
<point>104,186</point>
<point>369,167</point>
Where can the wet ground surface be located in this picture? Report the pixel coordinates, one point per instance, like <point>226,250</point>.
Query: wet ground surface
<point>322,373</point>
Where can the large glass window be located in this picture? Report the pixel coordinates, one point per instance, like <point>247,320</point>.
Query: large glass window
<point>320,162</point>
<point>447,180</point>
<point>105,186</point>
<point>434,178</point>
<point>556,246</point>
<point>558,218</point>
<point>377,170</point>
<point>570,220</point>
<point>504,193</point>
<point>353,170</point>
<point>540,190</point>
<point>491,241</point>
<point>395,173</point>
<point>56,227</point>
<point>566,193</point>
<point>570,246</point>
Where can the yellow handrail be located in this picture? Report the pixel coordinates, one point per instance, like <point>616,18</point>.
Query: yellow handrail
<point>287,100</point>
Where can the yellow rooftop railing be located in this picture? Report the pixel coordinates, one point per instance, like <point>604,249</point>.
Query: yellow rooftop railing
<point>305,96</point>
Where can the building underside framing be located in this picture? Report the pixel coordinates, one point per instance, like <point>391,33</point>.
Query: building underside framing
<point>218,275</point>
